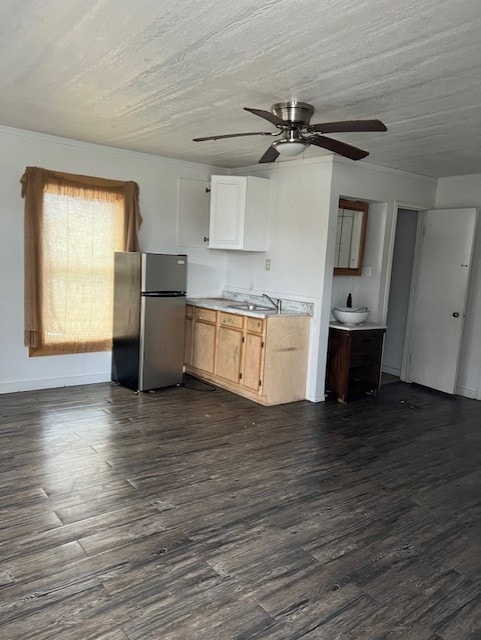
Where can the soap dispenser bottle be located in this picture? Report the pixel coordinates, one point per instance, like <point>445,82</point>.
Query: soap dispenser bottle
<point>349,301</point>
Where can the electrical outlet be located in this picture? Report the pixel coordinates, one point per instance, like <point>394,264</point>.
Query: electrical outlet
<point>268,264</point>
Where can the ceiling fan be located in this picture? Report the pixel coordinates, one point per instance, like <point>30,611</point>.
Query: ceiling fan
<point>296,134</point>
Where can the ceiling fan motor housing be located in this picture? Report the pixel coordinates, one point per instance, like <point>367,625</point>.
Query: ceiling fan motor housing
<point>293,111</point>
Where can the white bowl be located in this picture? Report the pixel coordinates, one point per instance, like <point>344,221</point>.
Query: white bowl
<point>346,315</point>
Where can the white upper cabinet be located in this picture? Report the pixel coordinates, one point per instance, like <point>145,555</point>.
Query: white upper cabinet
<point>239,206</point>
<point>193,214</point>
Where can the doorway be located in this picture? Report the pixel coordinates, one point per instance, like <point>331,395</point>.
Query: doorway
<point>399,294</point>
<point>433,248</point>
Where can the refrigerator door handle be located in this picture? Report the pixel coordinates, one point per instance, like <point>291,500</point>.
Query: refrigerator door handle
<point>163,294</point>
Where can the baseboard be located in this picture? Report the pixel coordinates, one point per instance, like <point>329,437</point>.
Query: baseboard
<point>393,371</point>
<point>466,392</point>
<point>52,383</point>
<point>315,398</point>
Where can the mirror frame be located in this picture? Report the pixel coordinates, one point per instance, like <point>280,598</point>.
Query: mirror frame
<point>363,207</point>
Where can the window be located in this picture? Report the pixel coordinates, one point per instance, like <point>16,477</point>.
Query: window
<point>73,226</point>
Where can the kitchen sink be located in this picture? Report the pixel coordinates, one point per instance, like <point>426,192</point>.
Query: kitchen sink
<point>250,307</point>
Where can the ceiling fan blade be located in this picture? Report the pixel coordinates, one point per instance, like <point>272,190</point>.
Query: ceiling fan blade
<point>348,125</point>
<point>270,155</point>
<point>232,135</point>
<point>341,148</point>
<point>267,115</point>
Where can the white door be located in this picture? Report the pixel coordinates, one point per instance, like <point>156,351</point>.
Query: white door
<point>440,297</point>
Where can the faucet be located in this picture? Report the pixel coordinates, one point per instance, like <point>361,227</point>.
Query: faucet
<point>275,302</point>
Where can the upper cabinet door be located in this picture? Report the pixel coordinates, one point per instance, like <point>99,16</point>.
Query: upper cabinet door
<point>194,206</point>
<point>239,209</point>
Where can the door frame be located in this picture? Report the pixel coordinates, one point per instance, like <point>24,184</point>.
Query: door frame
<point>412,296</point>
<point>419,209</point>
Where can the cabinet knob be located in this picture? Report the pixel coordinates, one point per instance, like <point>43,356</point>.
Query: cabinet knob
<point>455,314</point>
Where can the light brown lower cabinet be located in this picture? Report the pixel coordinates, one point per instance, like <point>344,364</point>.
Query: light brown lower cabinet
<point>252,371</point>
<point>203,338</point>
<point>188,336</point>
<point>263,359</point>
<point>228,351</point>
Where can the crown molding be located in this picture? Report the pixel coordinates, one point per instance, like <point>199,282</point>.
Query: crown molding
<point>100,148</point>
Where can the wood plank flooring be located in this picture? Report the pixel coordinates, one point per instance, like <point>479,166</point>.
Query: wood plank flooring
<point>196,514</point>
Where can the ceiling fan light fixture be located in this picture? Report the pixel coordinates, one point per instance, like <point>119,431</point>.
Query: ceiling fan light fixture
<point>290,147</point>
<point>293,121</point>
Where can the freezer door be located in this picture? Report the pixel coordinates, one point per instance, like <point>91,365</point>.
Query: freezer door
<point>164,272</point>
<point>161,342</point>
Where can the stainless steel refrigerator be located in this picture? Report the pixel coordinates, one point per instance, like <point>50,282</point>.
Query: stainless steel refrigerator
<point>149,319</point>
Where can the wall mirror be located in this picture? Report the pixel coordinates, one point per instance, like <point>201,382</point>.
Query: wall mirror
<point>350,237</point>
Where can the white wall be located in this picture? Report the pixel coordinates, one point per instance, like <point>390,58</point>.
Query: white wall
<point>385,189</point>
<point>456,192</point>
<point>302,231</point>
<point>158,181</point>
<point>298,234</point>
<point>365,288</point>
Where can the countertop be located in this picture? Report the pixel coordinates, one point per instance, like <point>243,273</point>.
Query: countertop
<point>357,327</point>
<point>230,306</point>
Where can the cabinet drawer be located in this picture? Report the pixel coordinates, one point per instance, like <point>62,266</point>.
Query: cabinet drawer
<point>231,320</point>
<point>256,325</point>
<point>208,315</point>
<point>367,342</point>
<point>364,357</point>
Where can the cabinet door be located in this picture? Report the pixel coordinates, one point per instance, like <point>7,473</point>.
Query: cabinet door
<point>338,362</point>
<point>227,212</point>
<point>194,206</point>
<point>204,346</point>
<point>188,341</point>
<point>253,362</point>
<point>228,353</point>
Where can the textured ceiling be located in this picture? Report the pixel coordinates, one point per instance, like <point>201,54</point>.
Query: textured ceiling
<point>149,75</point>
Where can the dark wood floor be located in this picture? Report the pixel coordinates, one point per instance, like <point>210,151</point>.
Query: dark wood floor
<point>196,514</point>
